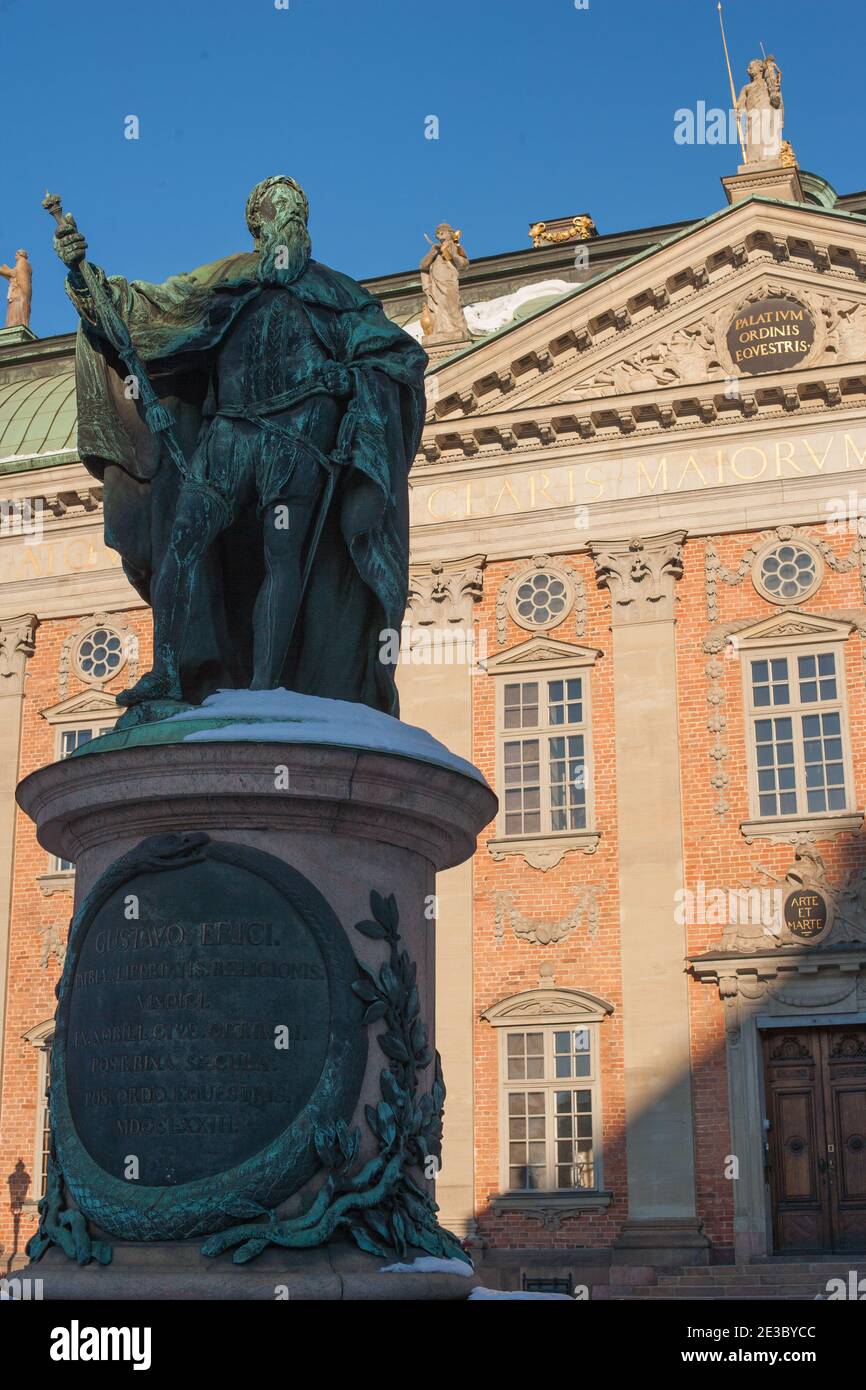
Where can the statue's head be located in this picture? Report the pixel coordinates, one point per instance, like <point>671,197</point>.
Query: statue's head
<point>277,213</point>
<point>273,200</point>
<point>755,68</point>
<point>444,232</point>
<point>21,255</point>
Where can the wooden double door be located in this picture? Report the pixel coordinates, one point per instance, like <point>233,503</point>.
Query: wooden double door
<point>815,1082</point>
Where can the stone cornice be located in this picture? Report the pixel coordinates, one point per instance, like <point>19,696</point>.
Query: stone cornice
<point>819,392</point>
<point>762,967</point>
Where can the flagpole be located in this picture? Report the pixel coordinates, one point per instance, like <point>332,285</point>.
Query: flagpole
<point>731,80</point>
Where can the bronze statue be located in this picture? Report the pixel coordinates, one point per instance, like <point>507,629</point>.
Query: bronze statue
<point>254,422</point>
<point>20,277</point>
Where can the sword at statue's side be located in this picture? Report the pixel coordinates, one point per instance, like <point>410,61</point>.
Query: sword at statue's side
<point>112,327</point>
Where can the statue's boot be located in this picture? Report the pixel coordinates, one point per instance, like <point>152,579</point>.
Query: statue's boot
<point>162,683</point>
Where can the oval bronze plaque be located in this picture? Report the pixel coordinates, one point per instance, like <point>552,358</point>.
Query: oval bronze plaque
<point>770,335</point>
<point>206,1027</point>
<point>805,913</point>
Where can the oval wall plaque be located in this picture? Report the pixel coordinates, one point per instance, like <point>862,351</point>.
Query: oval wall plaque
<point>770,335</point>
<point>206,1026</point>
<point>805,914</point>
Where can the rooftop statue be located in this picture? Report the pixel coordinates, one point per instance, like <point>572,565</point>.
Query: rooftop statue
<point>442,318</point>
<point>760,103</point>
<point>20,277</point>
<point>254,422</point>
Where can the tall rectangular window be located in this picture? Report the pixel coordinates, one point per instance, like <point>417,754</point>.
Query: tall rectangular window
<point>70,740</point>
<point>545,755</point>
<point>550,1109</point>
<point>799,734</point>
<point>44,1113</point>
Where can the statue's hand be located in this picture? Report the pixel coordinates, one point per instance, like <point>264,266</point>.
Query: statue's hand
<point>70,244</point>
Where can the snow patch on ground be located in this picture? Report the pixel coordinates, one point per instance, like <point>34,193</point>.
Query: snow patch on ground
<point>430,1264</point>
<point>479,1293</point>
<point>284,716</point>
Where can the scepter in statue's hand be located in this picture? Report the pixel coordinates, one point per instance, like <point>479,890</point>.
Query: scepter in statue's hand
<point>70,247</point>
<point>69,243</point>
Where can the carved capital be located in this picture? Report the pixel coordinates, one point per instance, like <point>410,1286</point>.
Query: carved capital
<point>444,593</point>
<point>641,575</point>
<point>17,642</point>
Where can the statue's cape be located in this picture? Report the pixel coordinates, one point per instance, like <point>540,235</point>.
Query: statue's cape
<point>175,328</point>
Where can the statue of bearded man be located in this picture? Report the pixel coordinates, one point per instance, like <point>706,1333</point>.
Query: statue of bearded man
<point>279,556</point>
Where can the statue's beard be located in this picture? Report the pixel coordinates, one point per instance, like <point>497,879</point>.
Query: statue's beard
<point>284,250</point>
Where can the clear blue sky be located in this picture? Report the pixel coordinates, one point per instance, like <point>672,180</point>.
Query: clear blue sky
<point>544,111</point>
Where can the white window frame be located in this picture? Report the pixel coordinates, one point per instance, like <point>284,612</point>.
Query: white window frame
<point>550,1010</point>
<point>41,1037</point>
<point>795,709</point>
<point>95,723</point>
<point>541,660</point>
<point>791,634</point>
<point>549,1086</point>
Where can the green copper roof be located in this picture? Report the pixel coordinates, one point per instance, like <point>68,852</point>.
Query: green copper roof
<point>37,420</point>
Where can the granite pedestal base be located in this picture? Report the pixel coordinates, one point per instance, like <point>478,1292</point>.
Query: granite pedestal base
<point>177,1270</point>
<point>176,1114</point>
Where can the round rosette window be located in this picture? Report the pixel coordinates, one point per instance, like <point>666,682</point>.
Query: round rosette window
<point>541,599</point>
<point>99,655</point>
<point>788,572</point>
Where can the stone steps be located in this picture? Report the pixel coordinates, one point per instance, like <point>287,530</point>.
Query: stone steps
<point>782,1281</point>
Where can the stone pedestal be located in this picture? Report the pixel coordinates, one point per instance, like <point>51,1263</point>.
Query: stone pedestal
<point>253,937</point>
<point>178,1270</point>
<point>766,178</point>
<point>439,348</point>
<point>16,335</point>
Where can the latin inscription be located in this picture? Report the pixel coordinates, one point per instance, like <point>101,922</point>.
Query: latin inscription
<point>805,914</point>
<point>635,474</point>
<point>772,334</point>
<point>197,1030</point>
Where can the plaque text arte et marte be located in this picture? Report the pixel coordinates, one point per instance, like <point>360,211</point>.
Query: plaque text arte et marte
<point>806,914</point>
<point>207,1022</point>
<point>771,334</point>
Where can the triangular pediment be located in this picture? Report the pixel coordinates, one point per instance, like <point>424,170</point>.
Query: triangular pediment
<point>792,626</point>
<point>83,705</point>
<point>541,653</point>
<point>655,329</point>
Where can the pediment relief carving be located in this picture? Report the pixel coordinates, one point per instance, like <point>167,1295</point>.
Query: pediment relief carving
<point>539,653</point>
<point>791,624</point>
<point>87,702</point>
<point>694,350</point>
<point>536,1005</point>
<point>659,329</point>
